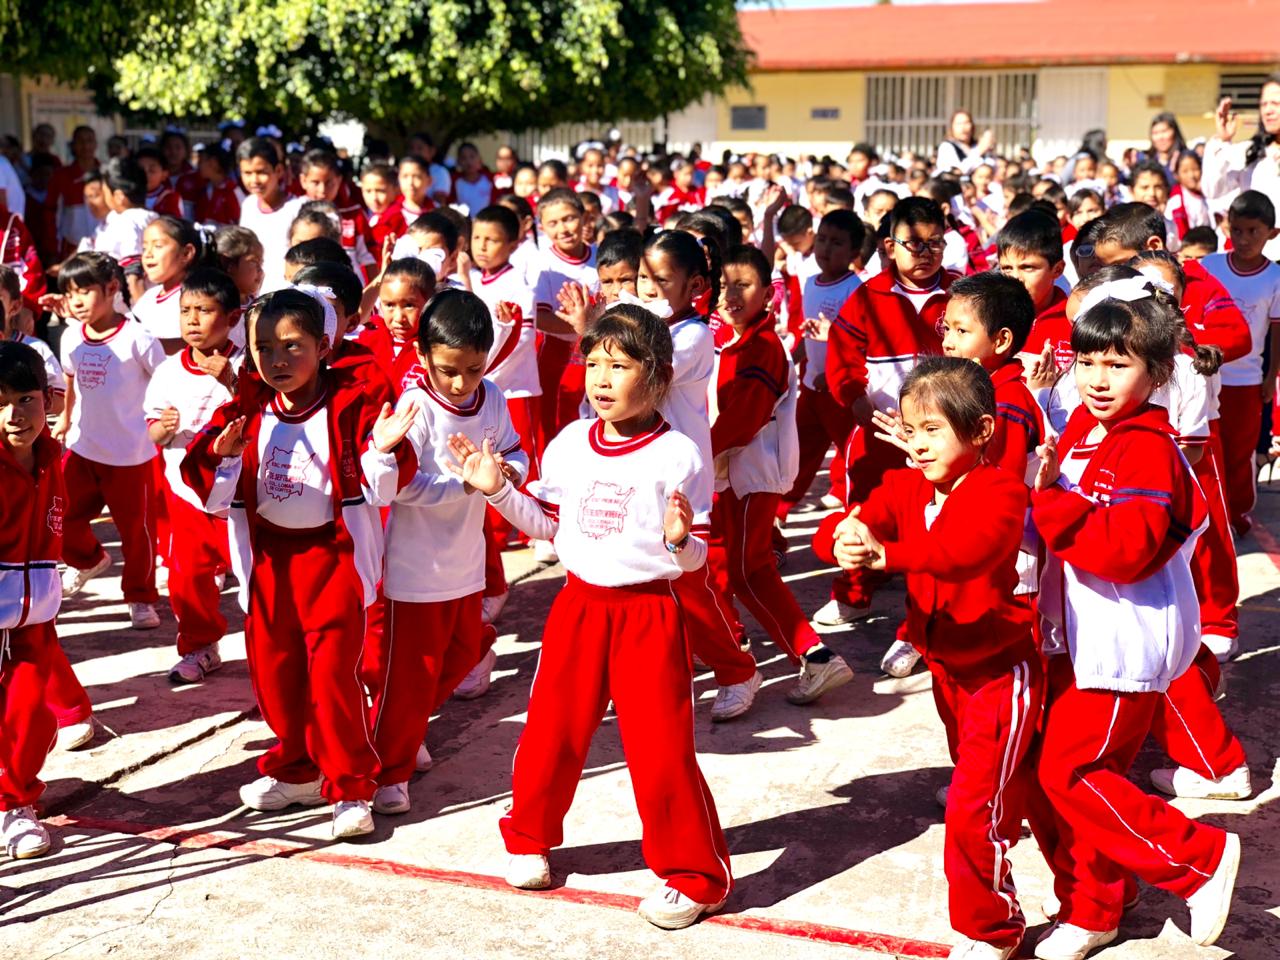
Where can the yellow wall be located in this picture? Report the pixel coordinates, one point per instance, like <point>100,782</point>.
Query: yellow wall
<point>788,99</point>
<point>1138,93</point>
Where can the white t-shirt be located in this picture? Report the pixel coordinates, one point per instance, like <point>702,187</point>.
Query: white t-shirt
<point>474,196</point>
<point>160,312</point>
<point>52,368</point>
<point>517,374</point>
<point>120,235</point>
<point>180,383</point>
<point>111,373</point>
<point>554,271</point>
<point>295,484</point>
<point>1187,398</point>
<point>272,230</point>
<point>825,298</point>
<point>1257,294</point>
<point>693,358</point>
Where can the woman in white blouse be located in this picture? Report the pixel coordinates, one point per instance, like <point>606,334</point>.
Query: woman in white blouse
<point>1252,165</point>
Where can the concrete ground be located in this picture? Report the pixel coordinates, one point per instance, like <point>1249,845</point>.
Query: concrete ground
<point>828,811</point>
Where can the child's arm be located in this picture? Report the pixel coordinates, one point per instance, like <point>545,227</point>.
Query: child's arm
<point>774,199</point>
<point>212,463</point>
<point>748,399</point>
<point>482,471</point>
<point>162,430</point>
<point>1016,434</point>
<point>60,426</point>
<point>875,514</point>
<point>389,464</point>
<point>847,357</point>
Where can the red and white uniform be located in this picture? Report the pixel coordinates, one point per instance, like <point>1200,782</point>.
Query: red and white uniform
<point>66,195</point>
<point>358,240</point>
<point>52,368</point>
<point>219,204</point>
<point>476,194</point>
<point>120,236</point>
<point>556,350</point>
<point>160,312</point>
<point>163,201</point>
<point>1019,429</point>
<point>18,253</point>
<point>1052,327</point>
<point>513,360</point>
<point>1187,209</point>
<point>396,358</point>
<point>271,227</point>
<point>614,633</point>
<point>386,227</point>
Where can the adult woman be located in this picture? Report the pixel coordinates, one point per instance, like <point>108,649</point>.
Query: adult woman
<point>1252,165</point>
<point>961,151</point>
<point>1167,142</point>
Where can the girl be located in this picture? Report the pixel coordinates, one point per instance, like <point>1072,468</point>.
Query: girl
<point>636,513</point>
<point>407,285</point>
<point>284,458</point>
<point>239,253</point>
<point>1187,206</point>
<point>1119,511</point>
<point>268,210</point>
<point>170,247</point>
<point>472,183</point>
<point>380,190</point>
<point>414,181</point>
<point>963,617</point>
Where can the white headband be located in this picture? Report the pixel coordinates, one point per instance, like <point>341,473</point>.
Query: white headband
<point>659,308</point>
<point>1127,289</point>
<point>321,296</point>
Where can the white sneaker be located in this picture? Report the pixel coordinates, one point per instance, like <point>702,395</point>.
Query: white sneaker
<point>735,699</point>
<point>476,683</point>
<point>220,580</point>
<point>75,735</point>
<point>836,614</point>
<point>900,659</point>
<point>831,501</point>
<point>1051,906</point>
<point>268,793</point>
<point>1182,782</point>
<point>815,679</point>
<point>491,607</point>
<point>978,950</point>
<point>670,909</point>
<point>74,579</point>
<point>195,666</point>
<point>391,799</point>
<point>24,835</point>
<point>529,871</point>
<point>143,616</point>
<point>351,818</point>
<point>940,795</point>
<point>1067,942</point>
<point>162,575</point>
<point>423,762</point>
<point>1224,648</point>
<point>544,551</point>
<point>1211,904</point>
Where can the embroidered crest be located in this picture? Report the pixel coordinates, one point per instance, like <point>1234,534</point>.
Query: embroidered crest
<point>54,517</point>
<point>285,473</point>
<point>603,511</point>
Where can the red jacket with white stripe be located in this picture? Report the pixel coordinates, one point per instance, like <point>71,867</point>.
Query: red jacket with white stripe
<point>1019,421</point>
<point>31,511</point>
<point>1212,315</point>
<point>961,571</point>
<point>877,337</point>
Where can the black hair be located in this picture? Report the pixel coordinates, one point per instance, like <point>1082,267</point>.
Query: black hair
<point>959,389</point>
<point>734,205</point>
<point>1253,205</point>
<point>1152,167</point>
<point>841,197</point>
<point>1130,225</point>
<point>911,211</point>
<point>518,205</point>
<point>384,171</point>
<point>794,220</point>
<point>21,368</point>
<point>149,151</point>
<point>561,195</point>
<point>847,222</point>
<point>316,250</point>
<point>1077,199</point>
<point>322,214</point>
<point>213,283</point>
<point>618,220</point>
<point>1032,232</point>
<point>1054,193</point>
<point>620,246</point>
<point>259,148</point>
<point>214,152</point>
<point>640,335</point>
<point>502,217</point>
<point>999,302</point>
<point>591,199</point>
<point>867,150</point>
<point>560,170</point>
<point>696,258</point>
<point>458,319</point>
<point>338,277</point>
<point>320,157</point>
<point>301,308</point>
<point>1259,142</point>
<point>126,175</point>
<point>435,222</point>
<point>1201,237</point>
<point>714,223</point>
<point>173,135</point>
<point>745,255</point>
<point>1179,142</point>
<point>232,242</point>
<point>89,269</point>
<point>417,272</point>
<point>1146,329</point>
<point>10,283</point>
<point>461,225</point>
<point>184,233</point>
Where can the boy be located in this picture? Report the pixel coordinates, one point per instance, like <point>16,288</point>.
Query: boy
<point>432,238</point>
<point>120,235</point>
<point>321,179</point>
<point>180,400</point>
<point>1198,243</point>
<point>268,209</point>
<point>1029,249</point>
<point>10,309</point>
<point>162,199</point>
<point>66,191</point>
<point>434,632</point>
<point>1254,283</point>
<point>874,341</point>
<point>380,191</point>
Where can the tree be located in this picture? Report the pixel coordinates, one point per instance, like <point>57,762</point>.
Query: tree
<point>453,66</point>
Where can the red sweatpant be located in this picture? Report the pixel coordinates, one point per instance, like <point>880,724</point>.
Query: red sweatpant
<point>747,522</point>
<point>1189,725</point>
<point>1093,824</point>
<point>524,413</point>
<point>1213,562</point>
<point>304,636</point>
<point>1240,409</point>
<point>197,552</point>
<point>990,727</point>
<point>558,406</point>
<point>427,649</point>
<point>624,644</point>
<point>27,725</point>
<point>63,691</point>
<point>130,494</point>
<point>821,422</point>
<point>164,526</point>
<point>711,625</point>
<point>868,460</point>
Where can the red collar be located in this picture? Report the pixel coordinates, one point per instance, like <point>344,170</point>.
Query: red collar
<point>617,448</point>
<point>298,416</point>
<point>189,361</point>
<point>87,333</point>
<point>490,277</point>
<point>477,400</point>
<point>570,260</point>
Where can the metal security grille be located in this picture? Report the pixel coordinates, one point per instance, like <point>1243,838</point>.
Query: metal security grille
<point>909,111</point>
<point>1243,89</point>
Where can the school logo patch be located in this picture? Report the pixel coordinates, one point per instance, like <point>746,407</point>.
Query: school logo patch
<point>603,511</point>
<point>285,473</point>
<point>91,368</point>
<point>54,517</point>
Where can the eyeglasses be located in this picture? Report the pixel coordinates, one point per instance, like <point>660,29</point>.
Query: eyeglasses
<point>918,247</point>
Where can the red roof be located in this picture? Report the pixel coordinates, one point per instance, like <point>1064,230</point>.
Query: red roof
<point>1041,33</point>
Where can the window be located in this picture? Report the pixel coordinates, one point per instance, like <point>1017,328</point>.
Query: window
<point>746,118</point>
<point>1242,88</point>
<point>909,111</point>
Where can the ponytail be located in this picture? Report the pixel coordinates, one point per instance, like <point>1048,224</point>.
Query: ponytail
<point>1206,358</point>
<point>701,258</point>
<point>715,270</point>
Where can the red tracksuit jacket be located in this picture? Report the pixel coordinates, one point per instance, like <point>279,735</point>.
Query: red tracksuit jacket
<point>31,511</point>
<point>876,338</point>
<point>1019,421</point>
<point>961,574</point>
<point>1212,316</point>
<point>1053,327</point>
<point>360,360</point>
<point>752,376</point>
<point>401,367</point>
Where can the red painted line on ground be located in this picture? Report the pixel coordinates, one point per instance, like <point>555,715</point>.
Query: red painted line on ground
<point>236,843</point>
<point>1268,542</point>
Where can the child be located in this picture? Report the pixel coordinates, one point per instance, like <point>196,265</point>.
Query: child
<point>1198,243</point>
<point>380,191</point>
<point>880,332</point>
<point>169,249</point>
<point>414,182</point>
<point>307,253</point>
<point>1187,207</point>
<point>219,197</point>
<point>1119,511</point>
<point>1151,187</point>
<point>407,286</point>
<point>10,309</point>
<point>322,180</point>
<point>284,457</point>
<point>181,399</point>
<point>614,632</point>
<point>162,199</point>
<point>1253,281</point>
<point>120,235</point>
<point>592,168</point>
<point>434,632</point>
<point>108,361</point>
<point>239,253</point>
<point>472,183</point>
<point>962,615</point>
<point>1029,248</point>
<point>315,219</point>
<point>268,209</point>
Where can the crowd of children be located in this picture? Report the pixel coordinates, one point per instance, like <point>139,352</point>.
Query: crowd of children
<point>1042,418</point>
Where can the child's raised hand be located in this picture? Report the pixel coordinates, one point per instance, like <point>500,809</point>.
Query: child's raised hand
<point>1044,370</point>
<point>218,367</point>
<point>479,469</point>
<point>774,199</point>
<point>679,518</point>
<point>509,313</point>
<point>55,303</point>
<point>392,426</point>
<point>60,428</point>
<point>888,424</point>
<point>231,441</point>
<point>575,306</point>
<point>1048,473</point>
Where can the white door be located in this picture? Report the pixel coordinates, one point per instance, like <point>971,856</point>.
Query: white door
<point>1072,100</point>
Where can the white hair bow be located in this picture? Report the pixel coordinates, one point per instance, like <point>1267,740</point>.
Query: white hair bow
<point>407,246</point>
<point>659,308</point>
<point>321,296</point>
<point>1155,278</point>
<point>1127,289</point>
